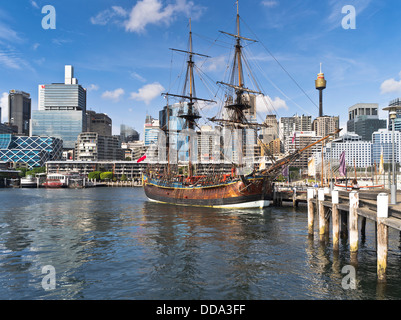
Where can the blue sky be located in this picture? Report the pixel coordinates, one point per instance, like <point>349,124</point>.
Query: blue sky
<point>120,51</point>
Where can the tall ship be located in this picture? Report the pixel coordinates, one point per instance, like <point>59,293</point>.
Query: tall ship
<point>247,185</point>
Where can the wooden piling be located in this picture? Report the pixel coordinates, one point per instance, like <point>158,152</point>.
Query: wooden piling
<point>335,219</point>
<point>322,218</point>
<point>274,195</point>
<point>363,229</point>
<point>294,198</point>
<point>382,236</point>
<point>353,221</point>
<point>311,215</point>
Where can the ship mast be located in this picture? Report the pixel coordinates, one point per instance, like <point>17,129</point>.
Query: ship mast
<point>191,116</point>
<point>238,105</point>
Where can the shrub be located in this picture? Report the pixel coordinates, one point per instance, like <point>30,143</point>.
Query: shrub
<point>94,175</point>
<point>106,175</point>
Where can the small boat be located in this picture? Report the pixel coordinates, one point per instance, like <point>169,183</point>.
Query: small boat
<point>28,182</point>
<point>55,180</point>
<point>350,187</point>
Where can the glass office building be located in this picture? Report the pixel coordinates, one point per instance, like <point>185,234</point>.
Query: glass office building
<point>34,151</point>
<point>62,110</point>
<point>363,120</point>
<point>175,125</point>
<point>65,125</point>
<point>382,141</point>
<point>62,96</point>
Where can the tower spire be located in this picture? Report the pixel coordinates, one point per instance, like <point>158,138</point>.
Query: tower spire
<point>320,84</point>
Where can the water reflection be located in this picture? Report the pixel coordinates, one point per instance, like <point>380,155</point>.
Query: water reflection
<point>111,243</point>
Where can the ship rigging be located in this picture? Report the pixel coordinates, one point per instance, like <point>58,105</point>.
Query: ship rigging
<point>245,186</point>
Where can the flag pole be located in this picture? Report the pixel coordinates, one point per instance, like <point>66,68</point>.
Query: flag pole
<point>321,175</point>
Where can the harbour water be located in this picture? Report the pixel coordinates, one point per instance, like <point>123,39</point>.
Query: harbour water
<point>111,243</point>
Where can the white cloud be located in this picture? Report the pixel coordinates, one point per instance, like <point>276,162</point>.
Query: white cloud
<point>6,33</point>
<point>266,104</point>
<point>40,61</point>
<point>34,4</point>
<point>113,95</point>
<point>61,42</point>
<point>137,76</point>
<point>4,107</point>
<point>147,12</point>
<point>93,87</point>
<point>390,86</point>
<point>215,64</point>
<point>270,3</point>
<point>9,61</point>
<point>12,59</point>
<point>109,15</point>
<point>148,92</point>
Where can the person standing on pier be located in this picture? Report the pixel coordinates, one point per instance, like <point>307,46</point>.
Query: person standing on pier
<point>355,185</point>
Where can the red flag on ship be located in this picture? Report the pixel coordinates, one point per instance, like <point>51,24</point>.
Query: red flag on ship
<point>141,158</point>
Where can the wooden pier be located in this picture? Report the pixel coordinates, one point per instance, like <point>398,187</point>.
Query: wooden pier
<point>348,212</point>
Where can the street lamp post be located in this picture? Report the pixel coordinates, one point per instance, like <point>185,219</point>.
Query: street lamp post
<point>392,109</point>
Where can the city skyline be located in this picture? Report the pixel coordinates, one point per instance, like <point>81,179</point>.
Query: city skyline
<point>120,52</point>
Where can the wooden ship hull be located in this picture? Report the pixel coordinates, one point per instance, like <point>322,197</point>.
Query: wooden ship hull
<point>254,193</point>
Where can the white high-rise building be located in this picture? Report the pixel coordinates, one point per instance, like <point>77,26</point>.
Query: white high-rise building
<point>69,75</point>
<point>358,153</point>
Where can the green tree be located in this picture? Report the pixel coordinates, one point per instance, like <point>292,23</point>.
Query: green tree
<point>106,175</point>
<point>123,177</point>
<point>22,172</point>
<point>35,170</point>
<point>94,175</point>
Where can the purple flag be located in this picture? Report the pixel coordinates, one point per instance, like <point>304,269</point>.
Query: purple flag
<point>285,171</point>
<point>343,168</point>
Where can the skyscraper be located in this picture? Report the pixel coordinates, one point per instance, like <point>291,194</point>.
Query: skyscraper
<point>128,133</point>
<point>98,122</point>
<point>271,132</point>
<point>287,126</point>
<point>363,119</point>
<point>91,146</point>
<point>325,125</point>
<point>151,130</point>
<point>19,111</point>
<point>62,110</point>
